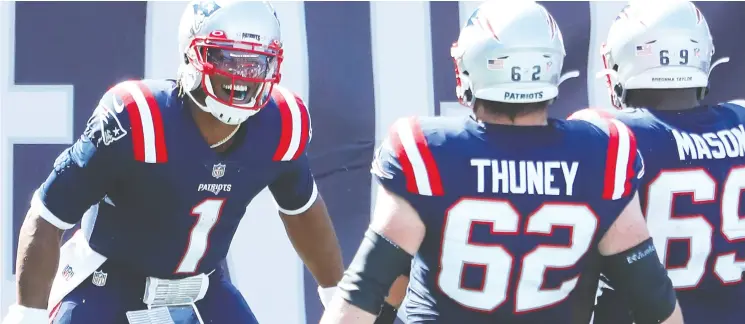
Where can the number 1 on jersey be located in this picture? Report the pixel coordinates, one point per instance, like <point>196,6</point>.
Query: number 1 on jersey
<point>208,213</point>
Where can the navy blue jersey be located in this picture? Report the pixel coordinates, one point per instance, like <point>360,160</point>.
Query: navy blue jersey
<point>691,195</point>
<point>513,214</point>
<point>161,201</point>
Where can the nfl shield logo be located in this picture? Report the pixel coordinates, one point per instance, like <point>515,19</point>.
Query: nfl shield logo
<point>67,272</point>
<point>218,170</point>
<point>99,278</point>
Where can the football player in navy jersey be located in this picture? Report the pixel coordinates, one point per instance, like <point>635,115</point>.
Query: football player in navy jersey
<point>658,57</point>
<point>163,174</point>
<point>507,214</point>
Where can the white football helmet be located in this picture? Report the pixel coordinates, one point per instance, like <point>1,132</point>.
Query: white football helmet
<point>509,52</point>
<point>660,44</point>
<point>232,49</point>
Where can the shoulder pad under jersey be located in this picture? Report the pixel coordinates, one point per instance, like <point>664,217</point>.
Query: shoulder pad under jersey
<point>624,164</point>
<point>404,162</point>
<point>130,113</point>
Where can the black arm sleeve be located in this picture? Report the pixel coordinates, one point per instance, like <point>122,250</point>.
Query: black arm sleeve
<point>376,265</point>
<point>642,281</point>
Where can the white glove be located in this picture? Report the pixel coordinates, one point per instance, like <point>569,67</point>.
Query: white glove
<point>18,314</point>
<point>325,293</point>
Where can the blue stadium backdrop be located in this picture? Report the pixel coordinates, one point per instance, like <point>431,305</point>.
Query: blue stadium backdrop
<point>359,65</point>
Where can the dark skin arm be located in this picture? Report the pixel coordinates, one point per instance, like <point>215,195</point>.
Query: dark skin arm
<point>37,260</point>
<point>313,237</point>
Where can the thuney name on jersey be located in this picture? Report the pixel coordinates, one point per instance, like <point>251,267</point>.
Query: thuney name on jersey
<point>726,143</point>
<point>525,177</point>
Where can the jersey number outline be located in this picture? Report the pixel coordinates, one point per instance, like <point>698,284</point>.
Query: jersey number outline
<point>496,261</point>
<point>664,226</point>
<point>207,213</point>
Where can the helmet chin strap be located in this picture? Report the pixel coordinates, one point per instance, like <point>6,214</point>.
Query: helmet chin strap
<point>218,109</point>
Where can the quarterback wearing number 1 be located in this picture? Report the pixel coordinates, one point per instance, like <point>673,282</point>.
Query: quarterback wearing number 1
<point>507,214</point>
<point>658,58</point>
<point>165,170</point>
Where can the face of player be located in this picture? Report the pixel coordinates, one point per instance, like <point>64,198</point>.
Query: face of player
<point>238,75</point>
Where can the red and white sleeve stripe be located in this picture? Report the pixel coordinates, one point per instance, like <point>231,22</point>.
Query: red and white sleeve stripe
<point>296,127</point>
<point>146,122</point>
<point>415,157</point>
<point>619,164</point>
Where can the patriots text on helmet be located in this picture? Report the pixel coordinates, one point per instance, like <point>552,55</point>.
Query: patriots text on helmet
<point>500,58</point>
<point>726,143</point>
<point>526,177</point>
<point>512,96</point>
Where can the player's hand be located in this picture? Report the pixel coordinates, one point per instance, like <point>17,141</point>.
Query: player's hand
<point>18,314</point>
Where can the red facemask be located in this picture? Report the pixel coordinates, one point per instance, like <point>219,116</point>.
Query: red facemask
<point>236,73</point>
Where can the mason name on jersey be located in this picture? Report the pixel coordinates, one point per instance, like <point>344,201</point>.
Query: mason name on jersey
<point>726,143</point>
<point>525,177</point>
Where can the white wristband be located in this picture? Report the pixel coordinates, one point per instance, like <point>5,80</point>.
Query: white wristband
<point>326,294</point>
<point>18,314</point>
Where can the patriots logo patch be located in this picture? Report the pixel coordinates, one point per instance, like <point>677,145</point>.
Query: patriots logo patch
<point>205,8</point>
<point>482,21</point>
<point>624,13</point>
<point>104,126</point>
<point>473,18</point>
<point>202,10</point>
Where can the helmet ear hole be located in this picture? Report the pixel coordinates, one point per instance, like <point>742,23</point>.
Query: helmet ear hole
<point>618,89</point>
<point>466,82</point>
<point>186,59</point>
<point>702,92</point>
<point>468,95</point>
